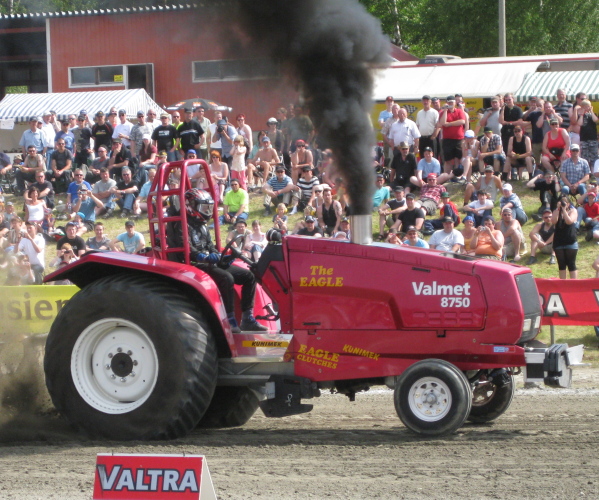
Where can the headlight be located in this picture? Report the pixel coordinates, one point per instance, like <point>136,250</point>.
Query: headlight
<point>537,322</point>
<point>527,323</point>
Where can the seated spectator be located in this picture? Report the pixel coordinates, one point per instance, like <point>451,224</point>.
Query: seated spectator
<point>519,155</point>
<point>511,200</point>
<point>87,205</point>
<point>306,184</point>
<point>65,256</point>
<point>277,189</point>
<point>148,152</point>
<point>101,161</point>
<point>310,229</point>
<point>514,244</point>
<point>389,213</point>
<point>13,236</point>
<point>103,191</point>
<point>256,242</point>
<point>20,272</point>
<point>240,229</point>
<point>125,193</point>
<point>329,212</point>
<point>541,238</point>
<point>468,232</point>
<point>491,151</point>
<point>141,202</point>
<point>556,146</point>
<point>48,223</point>
<point>75,242</point>
<point>487,241</point>
<point>120,157</point>
<point>574,172</point>
<point>265,160</point>
<point>412,238</point>
<point>301,157</point>
<point>487,182</point>
<point>9,211</point>
<point>381,192</point>
<point>394,239</point>
<point>33,246</point>
<point>548,187</point>
<point>34,207</point>
<point>75,186</point>
<point>236,204</point>
<point>32,165</point>
<point>131,240</point>
<point>589,213</point>
<point>279,220</point>
<point>403,168</point>
<point>4,228</point>
<point>61,163</point>
<point>344,230</point>
<point>447,239</point>
<point>447,209</point>
<point>430,197</point>
<point>426,166</point>
<point>413,215</point>
<point>99,241</point>
<point>480,208</point>
<point>45,189</point>
<point>470,152</point>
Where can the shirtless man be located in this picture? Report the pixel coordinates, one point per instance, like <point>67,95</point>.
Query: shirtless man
<point>266,159</point>
<point>300,158</point>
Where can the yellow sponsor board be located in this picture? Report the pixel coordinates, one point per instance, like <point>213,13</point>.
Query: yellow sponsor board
<point>31,309</point>
<point>264,343</point>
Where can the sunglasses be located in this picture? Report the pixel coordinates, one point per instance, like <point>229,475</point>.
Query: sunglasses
<point>78,175</point>
<point>301,146</point>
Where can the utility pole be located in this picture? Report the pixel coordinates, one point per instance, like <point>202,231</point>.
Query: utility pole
<point>502,28</point>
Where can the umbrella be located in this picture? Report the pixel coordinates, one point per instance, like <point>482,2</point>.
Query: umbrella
<point>197,101</point>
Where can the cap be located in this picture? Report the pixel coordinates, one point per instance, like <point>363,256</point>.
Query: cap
<point>240,115</point>
<point>146,136</point>
<point>444,194</point>
<point>488,168</point>
<point>46,113</point>
<point>38,119</point>
<point>162,154</point>
<point>458,95</point>
<point>380,176</point>
<point>575,147</point>
<point>197,108</point>
<point>9,204</point>
<point>426,97</point>
<point>266,139</point>
<point>306,168</point>
<point>594,195</point>
<point>82,112</point>
<point>17,157</point>
<point>141,113</point>
<point>309,218</point>
<point>450,98</point>
<point>428,148</point>
<point>122,112</point>
<point>100,113</point>
<point>81,214</point>
<point>129,223</point>
<point>432,175</point>
<point>81,117</point>
<point>83,188</point>
<point>399,189</point>
<point>188,110</point>
<point>507,187</point>
<point>506,210</point>
<point>487,129</point>
<point>344,219</point>
<point>447,219</point>
<point>191,152</point>
<point>280,168</point>
<point>468,218</point>
<point>410,195</point>
<point>272,120</point>
<point>164,115</point>
<point>552,121</point>
<point>435,99</point>
<point>116,140</point>
<point>64,122</point>
<point>403,145</point>
<point>47,211</point>
<point>300,142</point>
<point>411,228</point>
<point>71,223</point>
<point>469,134</point>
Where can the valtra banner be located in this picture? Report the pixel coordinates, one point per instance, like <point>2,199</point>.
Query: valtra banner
<point>148,477</point>
<point>569,302</point>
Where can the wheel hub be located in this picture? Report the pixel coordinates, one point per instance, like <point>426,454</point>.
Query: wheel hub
<point>430,399</point>
<point>121,364</point>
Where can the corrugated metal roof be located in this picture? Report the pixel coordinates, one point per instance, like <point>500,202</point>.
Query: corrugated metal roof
<point>545,85</point>
<point>22,107</point>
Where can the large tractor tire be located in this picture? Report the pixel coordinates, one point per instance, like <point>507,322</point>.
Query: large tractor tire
<point>129,358</point>
<point>490,401</point>
<point>230,407</point>
<point>433,398</point>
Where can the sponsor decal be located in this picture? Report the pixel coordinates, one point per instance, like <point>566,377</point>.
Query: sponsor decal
<point>451,295</point>
<point>317,357</point>
<point>264,343</point>
<point>321,276</point>
<point>360,352</point>
<point>500,348</point>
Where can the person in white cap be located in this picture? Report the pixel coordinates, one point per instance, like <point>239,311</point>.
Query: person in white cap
<point>275,136</point>
<point>512,201</point>
<point>470,150</point>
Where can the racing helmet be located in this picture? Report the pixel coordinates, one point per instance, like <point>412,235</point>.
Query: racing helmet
<point>199,204</point>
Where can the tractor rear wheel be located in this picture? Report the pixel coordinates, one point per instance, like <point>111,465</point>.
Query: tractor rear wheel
<point>490,401</point>
<point>230,407</point>
<point>433,397</point>
<point>129,358</point>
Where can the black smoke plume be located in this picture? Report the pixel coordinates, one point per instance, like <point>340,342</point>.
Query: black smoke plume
<point>331,47</point>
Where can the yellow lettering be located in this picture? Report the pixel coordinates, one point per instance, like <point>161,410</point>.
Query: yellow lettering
<point>318,353</point>
<point>329,271</point>
<point>302,348</point>
<point>310,351</point>
<point>313,270</point>
<point>339,281</point>
<point>303,281</point>
<point>322,281</point>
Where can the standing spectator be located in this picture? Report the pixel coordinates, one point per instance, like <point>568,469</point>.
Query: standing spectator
<point>33,136</point>
<point>491,117</point>
<point>66,134</point>
<point>470,154</point>
<point>213,144</point>
<point>164,138</point>
<point>575,172</point>
<point>32,164</point>
<point>588,132</point>
<point>131,240</point>
<point>565,244</point>
<point>147,153</point>
<point>556,146</point>
<point>563,108</point>
<point>403,167</point>
<point>487,241</point>
<point>238,169</point>
<point>245,131</point>
<point>137,132</point>
<point>49,133</point>
<point>452,122</point>
<point>275,135</point>
<point>513,236</point>
<point>200,117</point>
<point>387,128</point>
<point>225,134</point>
<point>300,127</point>
<point>426,121</point>
<point>384,115</point>
<point>519,155</point>
<point>447,239</point>
<point>60,172</point>
<point>151,121</point>
<point>102,132</point>
<point>123,129</point>
<point>512,201</point>
<point>541,238</point>
<point>532,115</point>
<point>548,187</point>
<point>111,118</point>
<point>83,138</point>
<point>510,116</point>
<point>575,113</point>
<point>403,130</point>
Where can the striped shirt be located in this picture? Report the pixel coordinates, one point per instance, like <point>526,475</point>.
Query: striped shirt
<point>278,185</point>
<point>306,186</point>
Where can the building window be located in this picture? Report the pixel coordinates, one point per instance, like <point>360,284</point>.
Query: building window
<point>97,76</point>
<point>234,69</point>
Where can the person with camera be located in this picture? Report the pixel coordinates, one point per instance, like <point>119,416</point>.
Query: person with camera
<point>20,272</point>
<point>565,243</point>
<point>487,241</point>
<point>225,134</point>
<point>33,246</point>
<point>63,258</point>
<point>75,242</point>
<point>206,257</point>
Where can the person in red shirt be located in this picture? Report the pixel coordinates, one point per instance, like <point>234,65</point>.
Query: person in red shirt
<point>589,212</point>
<point>453,123</point>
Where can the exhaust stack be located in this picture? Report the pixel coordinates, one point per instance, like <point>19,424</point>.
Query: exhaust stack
<point>361,229</point>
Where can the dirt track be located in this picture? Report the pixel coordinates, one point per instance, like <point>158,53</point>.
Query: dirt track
<point>546,446</point>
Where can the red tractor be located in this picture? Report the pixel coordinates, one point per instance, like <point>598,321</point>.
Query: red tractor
<point>144,350</point>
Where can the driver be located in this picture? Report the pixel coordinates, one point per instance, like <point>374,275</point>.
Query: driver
<point>203,253</point>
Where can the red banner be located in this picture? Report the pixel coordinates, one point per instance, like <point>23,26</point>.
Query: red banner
<point>569,302</point>
<point>146,477</point>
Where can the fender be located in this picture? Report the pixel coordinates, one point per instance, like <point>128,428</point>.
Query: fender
<point>95,265</point>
